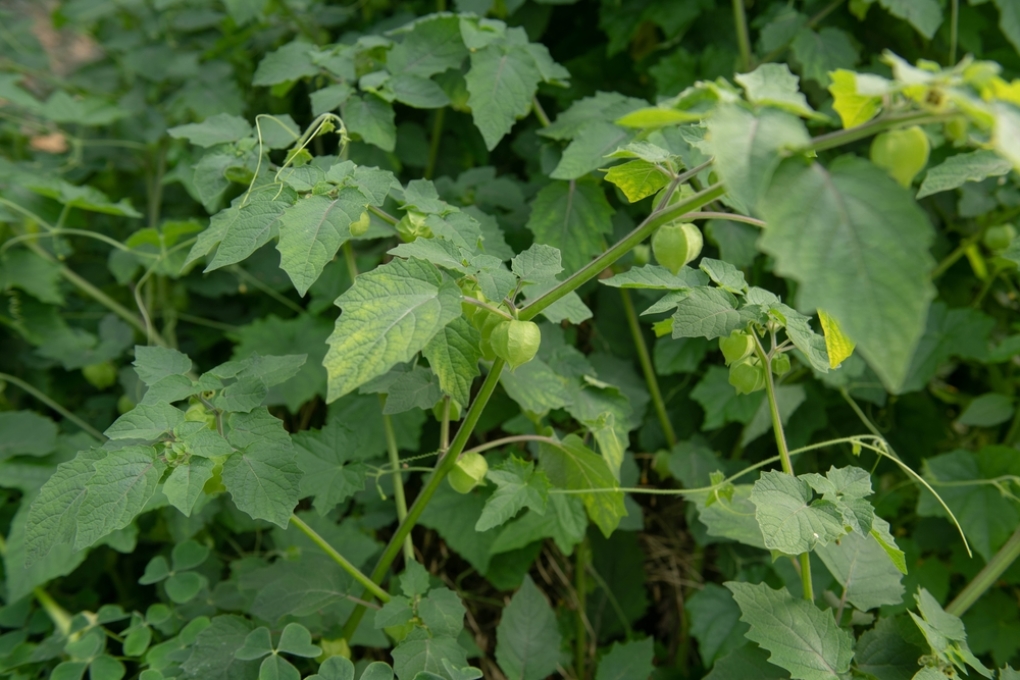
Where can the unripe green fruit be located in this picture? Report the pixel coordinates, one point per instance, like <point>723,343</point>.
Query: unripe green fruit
<point>469,472</point>
<point>642,255</point>
<point>197,413</point>
<point>360,226</point>
<point>747,376</point>
<point>955,129</point>
<point>901,153</point>
<point>125,404</point>
<point>676,244</point>
<point>516,341</point>
<point>999,237</point>
<point>736,346</point>
<point>489,322</point>
<point>100,375</point>
<point>781,364</point>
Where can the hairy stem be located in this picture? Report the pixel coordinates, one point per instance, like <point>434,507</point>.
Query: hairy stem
<point>986,578</point>
<point>443,468</point>
<point>647,368</point>
<point>743,38</point>
<point>44,398</point>
<point>311,533</point>
<point>398,480</point>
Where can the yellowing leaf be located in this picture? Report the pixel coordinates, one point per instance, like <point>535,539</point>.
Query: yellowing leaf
<point>853,108</point>
<point>653,117</point>
<point>837,344</point>
<point>637,179</point>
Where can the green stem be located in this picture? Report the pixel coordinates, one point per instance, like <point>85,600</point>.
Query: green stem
<point>442,469</point>
<point>987,577</point>
<point>733,217</point>
<point>398,479</point>
<point>254,281</point>
<point>540,113</point>
<point>581,586</point>
<point>784,452</point>
<point>743,39</point>
<point>370,587</point>
<point>646,367</point>
<point>954,29</point>
<point>93,432</point>
<point>865,130</point>
<point>58,615</point>
<point>437,135</point>
<point>952,257</point>
<point>640,233</point>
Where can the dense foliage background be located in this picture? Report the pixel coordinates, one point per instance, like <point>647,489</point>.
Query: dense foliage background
<point>188,189</point>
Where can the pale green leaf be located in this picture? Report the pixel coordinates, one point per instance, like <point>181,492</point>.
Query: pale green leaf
<point>293,61</point>
<point>312,231</point>
<point>184,485</point>
<point>589,149</point>
<point>389,315</point>
<point>53,515</point>
<point>789,522</point>
<point>537,263</point>
<point>518,486</point>
<point>527,638</point>
<point>637,179</point>
<point>858,244</point>
<point>502,79</point>
<point>146,421</point>
<point>411,657</point>
<point>371,118</point>
<point>123,483</point>
<point>710,313</point>
<point>773,85</point>
<point>957,170</point>
<point>572,465</point>
<point>724,275</point>
<point>535,387</point>
<point>800,637</point>
<point>262,477</point>
<point>431,46</point>
<point>565,522</point>
<point>153,363</point>
<point>246,229</point>
<point>654,277</point>
<point>573,216</point>
<point>859,564</point>
<point>296,640</point>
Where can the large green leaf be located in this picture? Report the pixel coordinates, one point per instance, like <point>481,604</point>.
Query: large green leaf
<point>501,82</point>
<point>574,466</point>
<point>330,459</point>
<point>453,355</point>
<point>53,516</point>
<point>123,483</point>
<point>389,315</point>
<point>957,170</point>
<point>261,476</point>
<point>527,638</point>
<point>860,566</point>
<point>858,244</point>
<point>801,638</point>
<point>924,15</point>
<point>788,520</point>
<point>519,486</point>
<point>573,216</point>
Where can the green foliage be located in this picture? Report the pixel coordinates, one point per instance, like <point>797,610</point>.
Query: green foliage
<point>271,274</point>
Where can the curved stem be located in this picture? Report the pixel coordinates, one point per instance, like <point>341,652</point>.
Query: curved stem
<point>41,396</point>
<point>496,443</point>
<point>425,495</point>
<point>733,217</point>
<point>646,367</point>
<point>318,540</point>
<point>621,248</point>
<point>398,479</point>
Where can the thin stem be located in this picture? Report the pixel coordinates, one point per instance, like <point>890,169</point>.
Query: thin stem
<point>950,259</point>
<point>311,533</point>
<point>986,578</point>
<point>444,428</point>
<point>58,615</point>
<point>954,29</point>
<point>872,127</point>
<point>540,113</point>
<point>646,367</point>
<point>437,135</point>
<point>41,396</point>
<point>496,443</point>
<point>442,469</point>
<point>352,262</point>
<point>383,215</point>
<point>743,39</point>
<point>640,233</point>
<point>285,301</point>
<point>581,586</point>
<point>733,217</point>
<point>398,479</point>
<point>484,305</point>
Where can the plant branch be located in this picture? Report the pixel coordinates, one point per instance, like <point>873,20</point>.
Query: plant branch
<point>496,443</point>
<point>646,367</point>
<point>743,39</point>
<point>986,578</point>
<point>733,217</point>
<point>540,113</point>
<point>437,135</point>
<point>621,248</point>
<point>383,215</point>
<point>484,305</point>
<point>398,479</point>
<point>370,587</point>
<point>44,398</point>
<point>872,127</point>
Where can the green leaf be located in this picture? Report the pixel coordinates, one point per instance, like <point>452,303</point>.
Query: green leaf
<point>377,670</point>
<point>244,230</point>
<point>890,650</point>
<point>957,170</point>
<point>637,179</point>
<point>300,588</point>
<point>987,410</point>
<point>411,657</point>
<point>985,514</point>
<point>123,483</point>
<point>859,565</point>
<point>800,637</point>
<point>803,336</point>
<point>858,244</point>
<point>788,400</point>
<point>822,52</point>
<point>296,640</point>
<point>417,388</point>
<point>654,277</point>
<point>330,459</point>
<point>536,387</point>
<point>572,465</point>
<point>293,61</point>
<point>453,355</point>
<point>724,275</point>
<point>257,644</point>
<point>432,45</point>
<point>537,263</point>
<point>182,588</point>
<point>682,355</point>
<point>924,15</point>
<point>389,315</point>
<point>1009,21</point>
<point>277,668</point>
<point>748,147</point>
<point>32,273</point>
<point>749,661</point>
<point>567,308</point>
<point>146,421</point>
<point>589,149</point>
<point>26,433</point>
<point>715,622</point>
<point>789,523</point>
<point>527,638</point>
<point>219,129</point>
<point>627,661</point>
<point>710,313</point>
<point>519,486</point>
<point>720,401</point>
<point>371,118</point>
<point>948,333</point>
<point>773,85</point>
<point>312,231</point>
<point>212,654</point>
<point>442,612</point>
<point>502,79</point>
<point>184,485</point>
<point>945,634</point>
<point>564,521</point>
<point>262,477</point>
<point>573,216</point>
<point>336,668</point>
<point>53,515</point>
<point>152,363</point>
